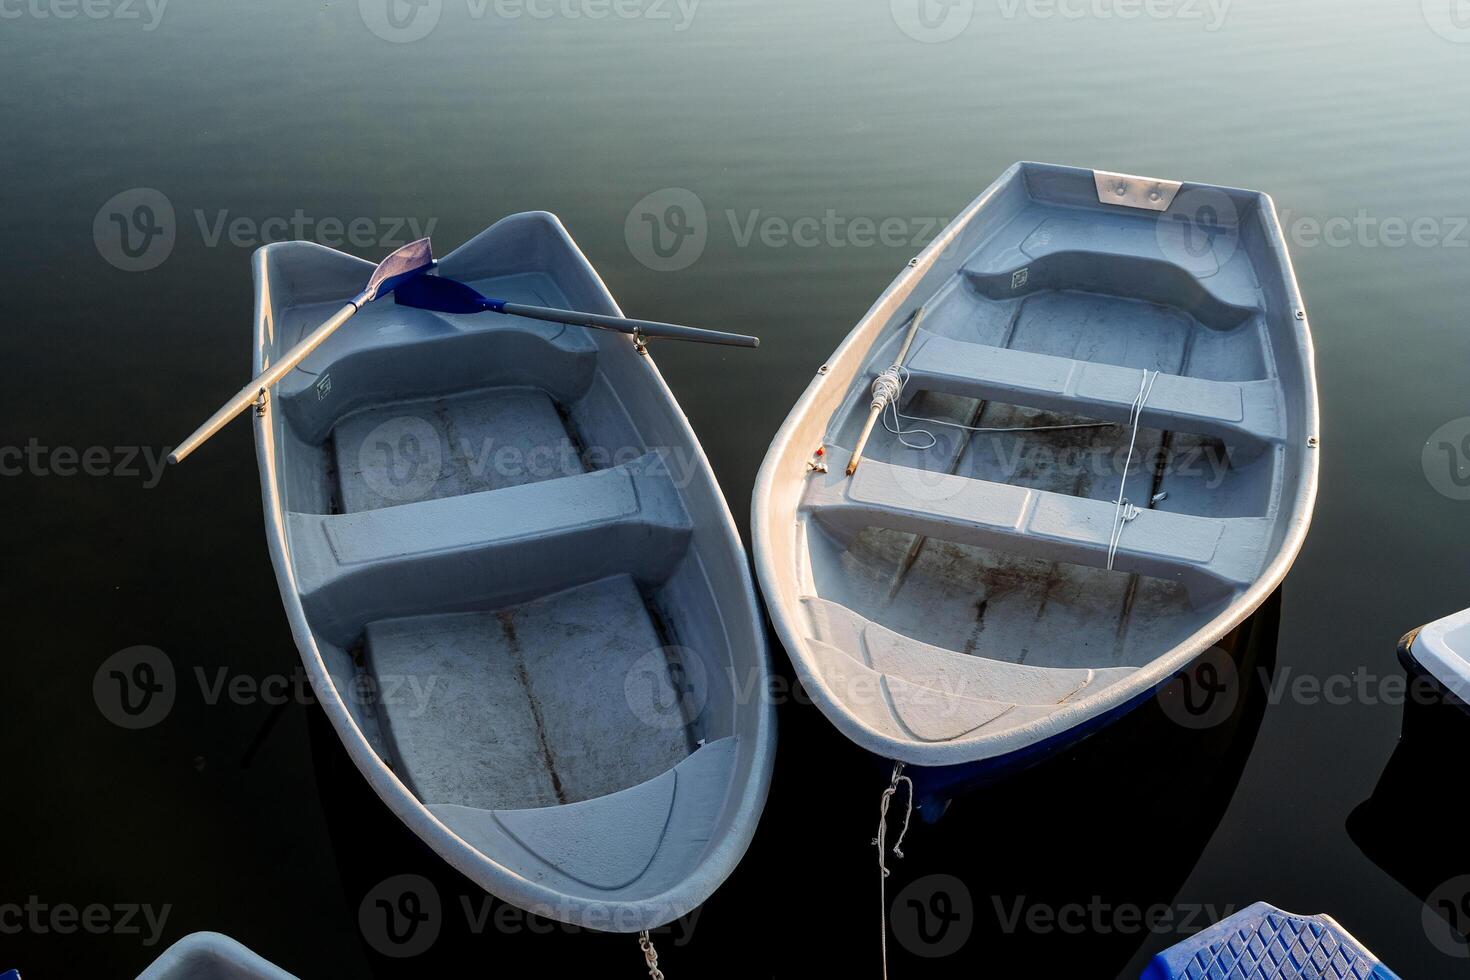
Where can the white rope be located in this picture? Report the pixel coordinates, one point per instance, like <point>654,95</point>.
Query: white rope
<point>882,842</point>
<point>888,392</point>
<point>1123,511</point>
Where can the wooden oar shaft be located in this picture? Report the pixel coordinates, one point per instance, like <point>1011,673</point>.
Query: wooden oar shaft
<point>877,408</point>
<point>249,394</point>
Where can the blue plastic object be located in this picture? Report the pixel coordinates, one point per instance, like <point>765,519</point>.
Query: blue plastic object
<point>1265,943</point>
<point>10,975</point>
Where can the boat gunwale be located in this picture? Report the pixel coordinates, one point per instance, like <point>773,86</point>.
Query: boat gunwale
<point>848,360</point>
<point>742,806</point>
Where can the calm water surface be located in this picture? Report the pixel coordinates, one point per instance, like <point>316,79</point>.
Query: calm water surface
<point>237,817</point>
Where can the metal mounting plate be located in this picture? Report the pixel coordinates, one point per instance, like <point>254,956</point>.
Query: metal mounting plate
<point>1127,190</point>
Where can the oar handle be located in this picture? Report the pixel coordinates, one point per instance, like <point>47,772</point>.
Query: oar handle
<point>249,394</point>
<point>648,328</point>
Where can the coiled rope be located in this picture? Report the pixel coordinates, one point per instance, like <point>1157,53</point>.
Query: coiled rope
<point>882,842</point>
<point>888,391</point>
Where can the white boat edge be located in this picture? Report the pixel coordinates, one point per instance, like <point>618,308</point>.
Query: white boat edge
<point>212,954</point>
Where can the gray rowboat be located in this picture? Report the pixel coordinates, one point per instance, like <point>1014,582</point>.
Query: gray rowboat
<point>515,585</point>
<point>952,607</point>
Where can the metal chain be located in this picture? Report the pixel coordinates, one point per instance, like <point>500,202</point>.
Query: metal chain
<point>650,956</point>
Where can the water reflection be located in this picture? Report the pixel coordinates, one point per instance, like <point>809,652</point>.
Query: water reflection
<point>1070,867</point>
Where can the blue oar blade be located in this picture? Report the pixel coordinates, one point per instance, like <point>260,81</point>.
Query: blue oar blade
<point>441,296</point>
<point>402,266</point>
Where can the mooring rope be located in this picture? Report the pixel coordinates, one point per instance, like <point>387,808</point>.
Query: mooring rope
<point>882,842</point>
<point>1123,511</point>
<point>888,392</point>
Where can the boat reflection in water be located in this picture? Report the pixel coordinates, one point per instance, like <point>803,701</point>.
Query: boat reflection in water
<point>1410,826</point>
<point>1008,881</point>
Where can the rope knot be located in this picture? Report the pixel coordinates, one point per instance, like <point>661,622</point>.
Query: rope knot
<point>886,388</point>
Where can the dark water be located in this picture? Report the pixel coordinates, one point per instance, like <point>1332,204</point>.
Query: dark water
<point>238,817</point>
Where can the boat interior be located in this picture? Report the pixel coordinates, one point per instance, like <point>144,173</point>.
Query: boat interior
<point>979,567</point>
<point>512,562</point>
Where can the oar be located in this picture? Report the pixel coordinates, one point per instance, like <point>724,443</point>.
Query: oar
<point>401,267</point>
<point>443,295</point>
<point>878,405</point>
